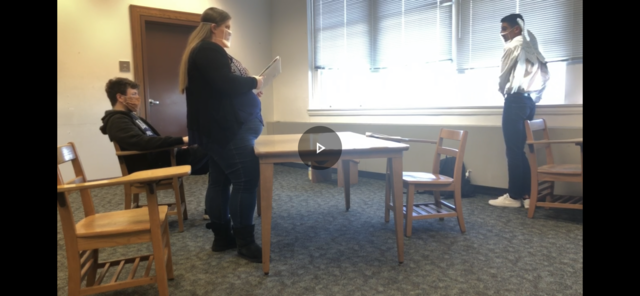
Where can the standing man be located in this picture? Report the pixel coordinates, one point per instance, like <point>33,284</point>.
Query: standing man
<point>523,78</point>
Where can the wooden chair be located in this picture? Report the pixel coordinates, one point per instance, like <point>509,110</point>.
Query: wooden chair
<point>132,191</point>
<point>433,181</point>
<point>543,177</point>
<point>95,231</point>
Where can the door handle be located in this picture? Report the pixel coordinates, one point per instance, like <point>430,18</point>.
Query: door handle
<point>152,102</point>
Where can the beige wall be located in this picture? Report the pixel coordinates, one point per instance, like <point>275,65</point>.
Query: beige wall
<point>93,35</point>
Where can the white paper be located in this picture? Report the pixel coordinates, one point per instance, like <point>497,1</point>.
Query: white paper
<point>270,73</point>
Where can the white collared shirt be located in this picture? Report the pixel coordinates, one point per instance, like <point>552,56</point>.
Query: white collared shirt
<point>522,68</point>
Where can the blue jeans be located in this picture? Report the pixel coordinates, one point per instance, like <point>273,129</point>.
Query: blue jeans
<point>518,107</point>
<point>236,167</point>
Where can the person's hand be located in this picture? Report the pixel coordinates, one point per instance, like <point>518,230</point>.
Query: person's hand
<point>259,78</point>
<point>259,94</point>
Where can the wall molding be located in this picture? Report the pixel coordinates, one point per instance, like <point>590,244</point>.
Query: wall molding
<point>477,189</point>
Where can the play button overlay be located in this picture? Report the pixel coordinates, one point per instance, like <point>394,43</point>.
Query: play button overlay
<point>320,148</point>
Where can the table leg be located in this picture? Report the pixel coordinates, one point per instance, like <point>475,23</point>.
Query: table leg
<point>266,192</point>
<point>346,173</point>
<point>396,164</point>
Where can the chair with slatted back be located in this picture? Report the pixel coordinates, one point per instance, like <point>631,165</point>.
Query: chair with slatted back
<point>96,231</point>
<point>544,176</point>
<point>132,191</point>
<point>430,181</point>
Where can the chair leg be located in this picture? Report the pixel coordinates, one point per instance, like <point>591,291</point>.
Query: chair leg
<point>457,196</point>
<point>387,193</point>
<point>533,199</point>
<point>73,276</point>
<point>552,188</point>
<point>170,275</point>
<point>136,200</point>
<point>93,270</point>
<point>409,212</point>
<point>179,205</point>
<point>161,269</point>
<point>127,197</point>
<point>185,213</point>
<point>437,201</point>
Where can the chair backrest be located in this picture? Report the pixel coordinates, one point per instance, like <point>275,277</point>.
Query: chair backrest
<point>68,153</point>
<point>532,126</point>
<point>123,165</point>
<point>458,153</point>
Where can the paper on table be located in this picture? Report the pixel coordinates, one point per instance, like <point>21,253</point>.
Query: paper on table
<point>270,73</point>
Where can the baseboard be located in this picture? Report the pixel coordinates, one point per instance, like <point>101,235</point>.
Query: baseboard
<point>478,189</point>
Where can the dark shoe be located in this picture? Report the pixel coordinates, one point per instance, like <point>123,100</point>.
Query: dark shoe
<point>223,239</point>
<point>247,247</point>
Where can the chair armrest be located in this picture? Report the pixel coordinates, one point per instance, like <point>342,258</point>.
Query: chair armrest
<point>124,153</point>
<point>147,176</point>
<point>399,139</point>
<point>567,141</point>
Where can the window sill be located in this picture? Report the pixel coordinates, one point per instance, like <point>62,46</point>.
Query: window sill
<point>568,109</point>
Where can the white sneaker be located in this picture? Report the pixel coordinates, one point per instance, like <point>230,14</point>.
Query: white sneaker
<point>205,216</point>
<point>505,201</point>
<point>526,203</point>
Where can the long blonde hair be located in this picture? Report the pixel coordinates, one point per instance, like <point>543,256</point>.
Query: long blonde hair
<point>210,16</point>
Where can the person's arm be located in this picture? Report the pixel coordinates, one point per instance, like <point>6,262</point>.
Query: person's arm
<point>213,63</point>
<point>509,61</point>
<point>123,131</point>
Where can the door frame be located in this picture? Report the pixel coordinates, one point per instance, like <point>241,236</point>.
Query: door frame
<point>139,15</point>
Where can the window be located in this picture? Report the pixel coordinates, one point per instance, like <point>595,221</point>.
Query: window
<point>386,54</point>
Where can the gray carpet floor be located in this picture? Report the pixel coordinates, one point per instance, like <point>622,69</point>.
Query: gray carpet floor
<point>318,248</point>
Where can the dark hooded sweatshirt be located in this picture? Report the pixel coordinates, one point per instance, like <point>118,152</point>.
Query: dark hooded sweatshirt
<point>133,133</point>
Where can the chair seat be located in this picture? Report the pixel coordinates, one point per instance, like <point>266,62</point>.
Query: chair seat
<point>425,178</point>
<point>566,169</point>
<point>119,222</point>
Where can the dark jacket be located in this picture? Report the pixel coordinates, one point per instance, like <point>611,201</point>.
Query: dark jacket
<point>211,88</point>
<point>121,128</point>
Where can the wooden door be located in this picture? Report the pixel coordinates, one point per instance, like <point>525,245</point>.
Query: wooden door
<point>159,39</point>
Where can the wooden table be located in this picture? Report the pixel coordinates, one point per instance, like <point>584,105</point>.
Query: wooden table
<point>272,149</point>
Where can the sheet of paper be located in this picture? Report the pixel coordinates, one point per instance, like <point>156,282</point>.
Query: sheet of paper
<point>270,73</point>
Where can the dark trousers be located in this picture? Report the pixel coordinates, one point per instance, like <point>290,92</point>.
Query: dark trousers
<point>518,107</point>
<point>233,178</point>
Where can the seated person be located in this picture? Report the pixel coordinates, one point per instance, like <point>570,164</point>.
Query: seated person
<point>133,133</point>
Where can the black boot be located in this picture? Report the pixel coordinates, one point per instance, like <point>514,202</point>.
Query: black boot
<point>247,247</point>
<point>223,239</point>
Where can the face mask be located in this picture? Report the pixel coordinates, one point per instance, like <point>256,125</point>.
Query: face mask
<point>227,38</point>
<point>505,34</point>
<point>133,103</point>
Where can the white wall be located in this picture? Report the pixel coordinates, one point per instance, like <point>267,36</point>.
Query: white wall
<point>93,35</point>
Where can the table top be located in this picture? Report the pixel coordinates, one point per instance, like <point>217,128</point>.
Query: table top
<point>288,144</point>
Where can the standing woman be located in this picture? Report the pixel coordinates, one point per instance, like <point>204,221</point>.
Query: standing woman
<point>223,116</point>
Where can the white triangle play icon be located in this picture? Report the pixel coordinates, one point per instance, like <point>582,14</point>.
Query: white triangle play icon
<point>319,148</point>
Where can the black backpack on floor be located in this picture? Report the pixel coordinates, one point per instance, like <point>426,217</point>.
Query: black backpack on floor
<point>447,165</point>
